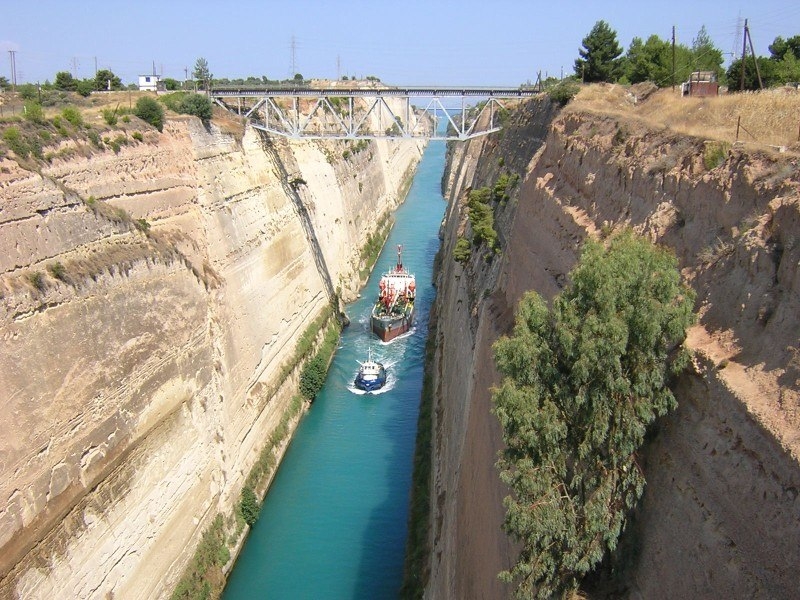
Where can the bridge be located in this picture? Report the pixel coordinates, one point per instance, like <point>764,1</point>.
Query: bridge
<point>351,113</point>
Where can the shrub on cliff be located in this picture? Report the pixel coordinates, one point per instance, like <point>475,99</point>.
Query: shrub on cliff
<point>481,218</point>
<point>461,252</point>
<point>582,381</point>
<point>150,111</point>
<point>186,103</point>
<point>197,105</point>
<point>249,505</point>
<point>312,377</point>
<point>563,92</point>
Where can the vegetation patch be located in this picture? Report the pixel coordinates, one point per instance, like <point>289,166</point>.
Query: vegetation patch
<point>582,382</point>
<point>372,248</point>
<point>312,377</point>
<point>462,251</point>
<point>563,92</point>
<point>203,577</point>
<point>150,111</point>
<point>481,218</point>
<point>715,154</point>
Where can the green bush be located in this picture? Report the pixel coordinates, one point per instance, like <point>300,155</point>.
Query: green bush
<point>34,112</point>
<point>27,91</point>
<point>714,154</point>
<point>481,218</point>
<point>150,111</point>
<point>36,279</point>
<point>57,270</point>
<point>110,116</point>
<point>73,115</point>
<point>85,87</point>
<point>197,105</point>
<point>564,92</point>
<point>461,252</point>
<point>137,135</point>
<point>173,101</point>
<point>94,137</point>
<point>19,146</point>
<point>312,377</point>
<point>249,505</point>
<point>203,576</point>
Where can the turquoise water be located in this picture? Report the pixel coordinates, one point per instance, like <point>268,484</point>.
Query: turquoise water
<point>334,522</point>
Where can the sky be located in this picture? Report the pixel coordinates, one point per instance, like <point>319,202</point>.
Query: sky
<point>446,43</point>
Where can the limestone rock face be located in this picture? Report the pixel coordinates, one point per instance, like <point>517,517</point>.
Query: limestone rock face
<point>719,517</point>
<point>149,300</point>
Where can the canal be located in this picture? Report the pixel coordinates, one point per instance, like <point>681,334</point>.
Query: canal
<point>334,522</point>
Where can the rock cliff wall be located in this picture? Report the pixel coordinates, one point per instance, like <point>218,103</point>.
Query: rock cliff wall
<point>150,299</point>
<point>720,514</point>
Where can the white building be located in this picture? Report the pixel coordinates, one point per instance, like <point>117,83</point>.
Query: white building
<point>150,83</point>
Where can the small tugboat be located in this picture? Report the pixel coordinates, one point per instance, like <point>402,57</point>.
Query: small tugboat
<point>393,312</point>
<point>371,375</point>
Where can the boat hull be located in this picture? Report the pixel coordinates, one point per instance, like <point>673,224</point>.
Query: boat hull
<point>370,385</point>
<point>388,327</point>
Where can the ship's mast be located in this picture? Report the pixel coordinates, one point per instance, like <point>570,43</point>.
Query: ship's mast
<point>399,258</point>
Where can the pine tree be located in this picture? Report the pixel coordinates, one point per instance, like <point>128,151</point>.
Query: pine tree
<point>600,55</point>
<point>582,383</point>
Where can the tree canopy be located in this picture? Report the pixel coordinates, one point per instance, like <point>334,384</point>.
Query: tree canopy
<point>65,81</point>
<point>582,381</point>
<point>106,80</point>
<point>202,73</point>
<point>599,57</point>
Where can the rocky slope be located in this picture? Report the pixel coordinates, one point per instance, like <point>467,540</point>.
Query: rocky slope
<point>720,516</point>
<point>150,300</point>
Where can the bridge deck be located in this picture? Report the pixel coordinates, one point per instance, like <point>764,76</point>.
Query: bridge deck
<point>393,92</point>
<point>319,113</point>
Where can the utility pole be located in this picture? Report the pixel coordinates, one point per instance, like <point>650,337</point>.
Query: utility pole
<point>294,63</point>
<point>12,54</point>
<point>95,68</point>
<point>744,55</point>
<point>75,66</point>
<point>755,60</point>
<point>673,58</point>
<point>748,38</point>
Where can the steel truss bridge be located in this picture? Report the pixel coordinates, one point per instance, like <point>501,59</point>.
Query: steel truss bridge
<point>349,113</point>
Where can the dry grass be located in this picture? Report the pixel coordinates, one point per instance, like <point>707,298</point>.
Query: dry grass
<point>768,118</point>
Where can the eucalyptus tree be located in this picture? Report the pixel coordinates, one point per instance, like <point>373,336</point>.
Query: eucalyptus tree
<point>582,381</point>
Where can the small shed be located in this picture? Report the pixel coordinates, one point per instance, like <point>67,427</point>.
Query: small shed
<point>701,83</point>
<point>150,83</point>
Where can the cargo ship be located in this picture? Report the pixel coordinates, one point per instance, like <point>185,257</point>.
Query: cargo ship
<point>393,312</point>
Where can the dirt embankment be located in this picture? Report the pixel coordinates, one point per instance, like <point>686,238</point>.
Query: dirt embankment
<point>720,513</point>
